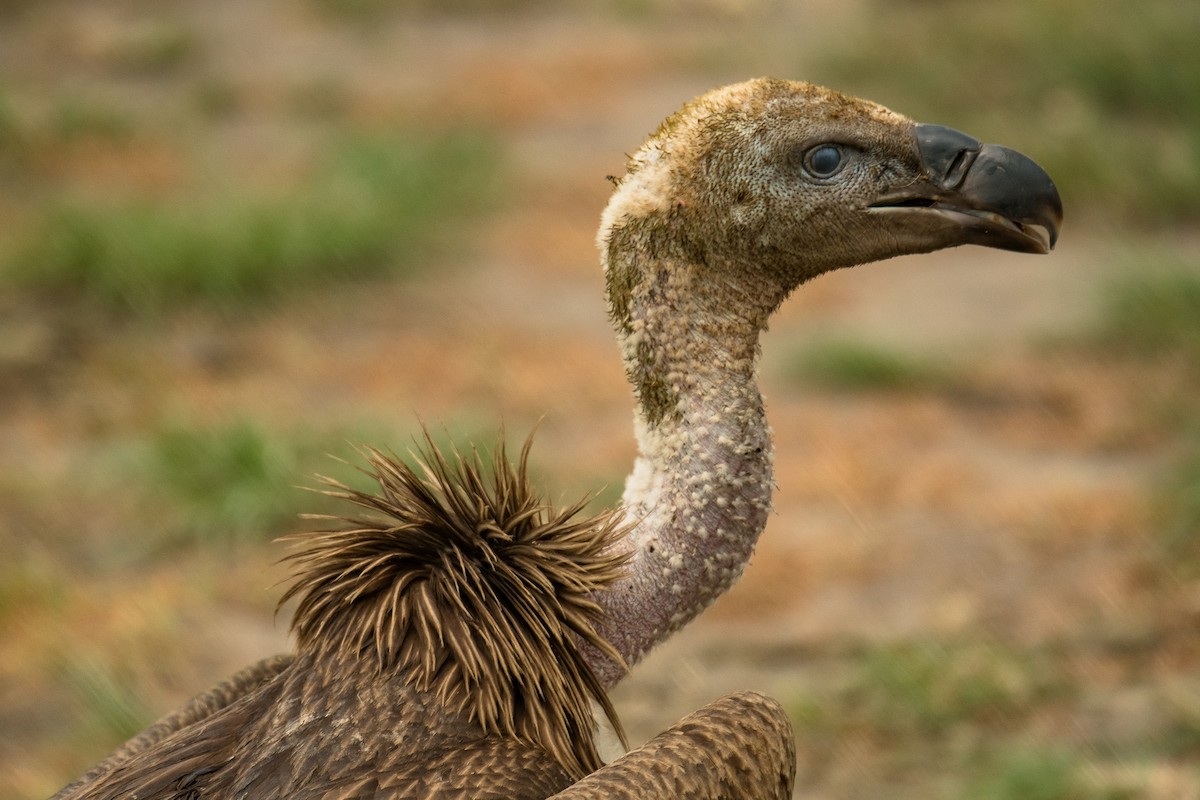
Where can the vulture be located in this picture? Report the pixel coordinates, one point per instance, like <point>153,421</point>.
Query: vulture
<point>455,634</point>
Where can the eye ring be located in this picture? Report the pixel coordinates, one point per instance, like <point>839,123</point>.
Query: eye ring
<point>824,160</point>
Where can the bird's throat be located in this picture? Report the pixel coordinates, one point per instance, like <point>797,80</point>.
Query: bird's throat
<point>700,490</point>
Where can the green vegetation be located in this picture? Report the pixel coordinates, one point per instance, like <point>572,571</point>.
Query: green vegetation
<point>324,97</point>
<point>357,11</point>
<point>369,11</point>
<point>374,208</point>
<point>26,587</point>
<point>1147,315</point>
<point>154,47</point>
<point>856,366</point>
<point>1178,509</point>
<point>10,130</point>
<point>1037,775</point>
<point>217,97</point>
<point>76,118</point>
<point>114,712</point>
<point>227,484</point>
<point>929,687</point>
<point>1182,739</point>
<point>969,712</point>
<point>242,482</point>
<point>1151,316</point>
<point>1113,92</point>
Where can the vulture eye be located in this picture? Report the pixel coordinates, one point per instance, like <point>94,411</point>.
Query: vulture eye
<point>824,160</point>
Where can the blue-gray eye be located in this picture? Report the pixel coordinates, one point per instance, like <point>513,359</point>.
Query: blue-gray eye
<point>824,160</point>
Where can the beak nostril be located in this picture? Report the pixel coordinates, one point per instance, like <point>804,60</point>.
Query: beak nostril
<point>958,169</point>
<point>946,154</point>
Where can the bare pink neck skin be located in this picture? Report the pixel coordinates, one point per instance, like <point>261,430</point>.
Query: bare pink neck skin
<point>700,490</point>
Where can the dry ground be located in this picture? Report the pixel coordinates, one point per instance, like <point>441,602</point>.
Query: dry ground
<point>1006,514</point>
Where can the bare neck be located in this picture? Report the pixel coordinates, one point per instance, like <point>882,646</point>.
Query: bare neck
<point>700,490</point>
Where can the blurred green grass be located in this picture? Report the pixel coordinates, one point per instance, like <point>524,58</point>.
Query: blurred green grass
<point>967,717</point>
<point>245,481</point>
<point>76,117</point>
<point>370,11</point>
<point>1177,509</point>
<point>1024,773</point>
<point>858,366</point>
<point>220,486</point>
<point>929,688</point>
<point>377,205</point>
<point>1150,315</point>
<point>113,709</point>
<point>27,588</point>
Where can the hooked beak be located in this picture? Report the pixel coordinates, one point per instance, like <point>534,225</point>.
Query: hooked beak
<point>976,193</point>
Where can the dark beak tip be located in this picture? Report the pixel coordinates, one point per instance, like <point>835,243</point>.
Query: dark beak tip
<point>1050,217</point>
<point>1011,183</point>
<point>994,179</point>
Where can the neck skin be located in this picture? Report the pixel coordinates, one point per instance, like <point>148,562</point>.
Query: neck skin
<point>700,490</point>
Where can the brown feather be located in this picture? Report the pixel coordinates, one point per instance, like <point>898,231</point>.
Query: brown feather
<point>196,710</point>
<point>473,588</point>
<point>740,747</point>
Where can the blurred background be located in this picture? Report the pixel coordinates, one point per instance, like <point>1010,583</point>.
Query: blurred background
<point>239,238</point>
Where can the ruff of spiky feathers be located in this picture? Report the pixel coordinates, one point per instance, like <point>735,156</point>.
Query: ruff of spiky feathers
<point>471,586</point>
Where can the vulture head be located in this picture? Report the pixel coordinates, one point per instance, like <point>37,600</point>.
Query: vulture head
<point>792,180</point>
